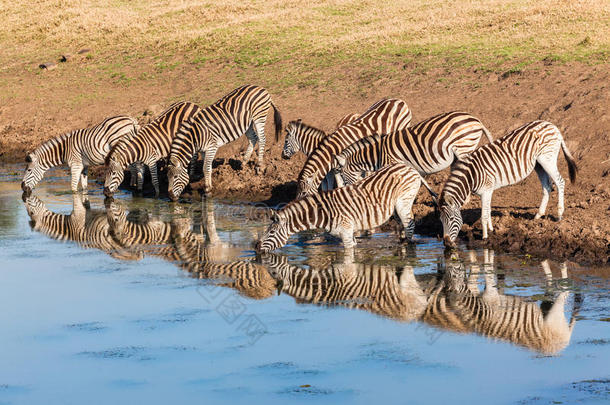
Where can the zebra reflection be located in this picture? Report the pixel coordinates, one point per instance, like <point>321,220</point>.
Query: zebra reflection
<point>205,256</point>
<point>88,228</point>
<point>448,300</point>
<point>457,305</point>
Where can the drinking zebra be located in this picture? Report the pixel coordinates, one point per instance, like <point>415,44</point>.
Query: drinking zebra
<point>242,111</point>
<point>151,144</point>
<point>383,117</point>
<point>506,161</point>
<point>457,305</point>
<point>430,146</point>
<point>87,228</point>
<point>78,149</point>
<point>305,138</point>
<point>363,205</point>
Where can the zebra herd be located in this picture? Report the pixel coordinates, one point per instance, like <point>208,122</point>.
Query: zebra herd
<point>448,299</point>
<point>354,179</point>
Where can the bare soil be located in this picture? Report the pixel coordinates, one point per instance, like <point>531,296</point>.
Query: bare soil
<point>574,96</point>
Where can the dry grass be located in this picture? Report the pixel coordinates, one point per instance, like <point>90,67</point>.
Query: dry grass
<point>309,33</point>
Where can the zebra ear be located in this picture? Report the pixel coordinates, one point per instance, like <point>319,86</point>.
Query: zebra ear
<point>340,161</point>
<point>28,158</point>
<point>299,120</point>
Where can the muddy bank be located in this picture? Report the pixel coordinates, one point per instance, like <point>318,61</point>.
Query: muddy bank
<point>574,97</point>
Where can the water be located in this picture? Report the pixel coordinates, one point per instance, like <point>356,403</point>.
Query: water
<point>142,300</point>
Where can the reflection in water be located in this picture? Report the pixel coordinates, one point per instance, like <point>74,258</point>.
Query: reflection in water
<point>88,228</point>
<point>448,299</point>
<point>456,305</point>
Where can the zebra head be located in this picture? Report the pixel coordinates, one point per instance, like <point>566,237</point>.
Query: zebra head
<point>114,176</point>
<point>177,176</point>
<point>348,173</point>
<point>34,171</point>
<point>116,216</point>
<point>35,209</point>
<point>451,218</point>
<point>291,145</point>
<point>276,234</point>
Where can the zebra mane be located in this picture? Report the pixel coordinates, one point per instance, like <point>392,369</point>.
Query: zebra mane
<point>300,124</point>
<point>361,144</point>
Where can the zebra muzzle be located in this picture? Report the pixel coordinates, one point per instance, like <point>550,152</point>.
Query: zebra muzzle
<point>448,242</point>
<point>107,192</point>
<point>25,188</point>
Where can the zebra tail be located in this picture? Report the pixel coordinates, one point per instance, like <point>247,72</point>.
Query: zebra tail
<point>575,309</point>
<point>488,135</point>
<point>571,163</point>
<point>277,119</point>
<point>432,193</point>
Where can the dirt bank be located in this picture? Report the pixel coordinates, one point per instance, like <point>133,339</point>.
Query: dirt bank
<point>575,97</point>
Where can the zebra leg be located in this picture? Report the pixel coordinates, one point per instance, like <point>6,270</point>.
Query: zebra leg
<point>75,172</point>
<point>252,139</point>
<point>152,166</point>
<point>192,165</point>
<point>550,167</point>
<point>260,132</point>
<point>139,176</point>
<point>486,212</point>
<point>545,181</point>
<point>403,209</point>
<point>207,169</point>
<point>83,179</point>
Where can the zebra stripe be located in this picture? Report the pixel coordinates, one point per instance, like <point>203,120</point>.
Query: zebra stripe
<point>383,117</point>
<point>151,144</point>
<point>430,146</point>
<point>78,149</point>
<point>506,161</point>
<point>361,206</point>
<point>87,228</point>
<point>347,118</point>
<point>243,111</point>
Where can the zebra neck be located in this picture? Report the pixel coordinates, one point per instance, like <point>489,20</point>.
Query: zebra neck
<point>458,188</point>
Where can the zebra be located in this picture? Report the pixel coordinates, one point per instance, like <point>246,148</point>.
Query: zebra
<point>87,228</point>
<point>383,117</point>
<point>456,304</point>
<point>78,149</point>
<point>430,146</point>
<point>363,205</point>
<point>506,161</point>
<point>242,111</point>
<point>151,144</point>
<point>306,138</point>
<point>389,291</point>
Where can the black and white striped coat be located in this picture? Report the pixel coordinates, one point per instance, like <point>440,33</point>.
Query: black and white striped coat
<point>242,111</point>
<point>383,117</point>
<point>363,205</point>
<point>506,161</point>
<point>430,146</point>
<point>78,149</point>
<point>151,144</point>
<point>305,138</point>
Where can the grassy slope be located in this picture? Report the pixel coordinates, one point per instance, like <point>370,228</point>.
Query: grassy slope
<point>313,44</point>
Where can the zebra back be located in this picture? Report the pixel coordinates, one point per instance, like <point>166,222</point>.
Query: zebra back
<point>155,138</point>
<point>383,117</point>
<point>220,123</point>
